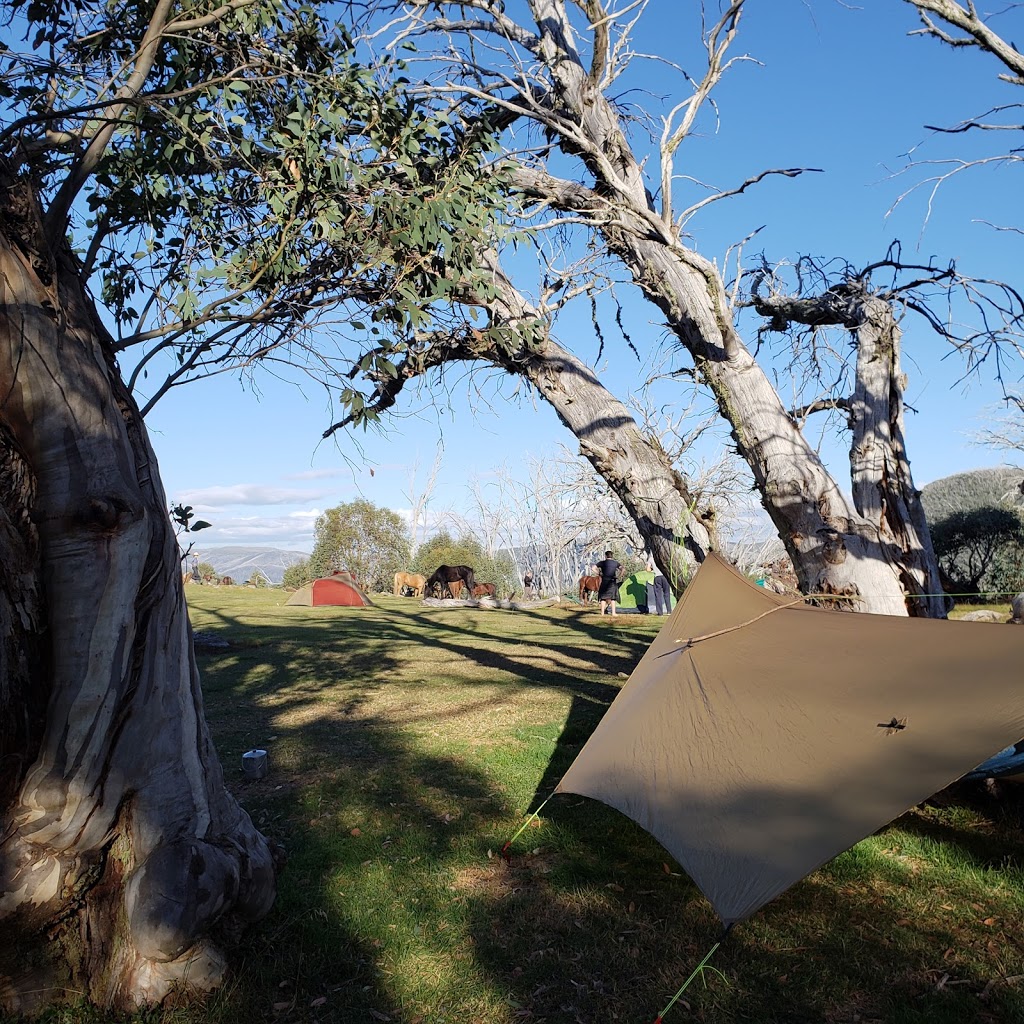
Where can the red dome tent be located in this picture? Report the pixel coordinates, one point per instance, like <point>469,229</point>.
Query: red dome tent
<point>339,588</point>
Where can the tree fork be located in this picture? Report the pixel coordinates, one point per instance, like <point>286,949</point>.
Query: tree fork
<point>798,493</point>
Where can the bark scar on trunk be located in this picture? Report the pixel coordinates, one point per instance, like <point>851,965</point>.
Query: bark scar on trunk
<point>107,515</point>
<point>833,546</point>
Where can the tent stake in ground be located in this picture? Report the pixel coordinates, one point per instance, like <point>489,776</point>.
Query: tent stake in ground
<point>754,753</point>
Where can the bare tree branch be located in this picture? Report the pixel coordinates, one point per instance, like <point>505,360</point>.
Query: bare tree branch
<point>960,25</point>
<point>822,405</point>
<point>717,43</point>
<point>56,216</point>
<point>978,33</point>
<point>790,172</point>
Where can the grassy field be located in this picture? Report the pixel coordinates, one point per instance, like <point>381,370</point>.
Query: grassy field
<point>406,745</point>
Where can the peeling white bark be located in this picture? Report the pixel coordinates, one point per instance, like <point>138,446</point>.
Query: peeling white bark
<point>835,550</point>
<point>883,488</point>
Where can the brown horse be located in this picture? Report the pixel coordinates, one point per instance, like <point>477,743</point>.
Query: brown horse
<point>446,574</point>
<point>411,580</point>
<point>485,590</point>
<point>589,587</point>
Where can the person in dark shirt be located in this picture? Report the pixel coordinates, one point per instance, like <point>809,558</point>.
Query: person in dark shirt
<point>608,595</point>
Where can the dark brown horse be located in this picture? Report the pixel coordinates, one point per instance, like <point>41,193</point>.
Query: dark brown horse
<point>485,590</point>
<point>589,587</point>
<point>445,574</point>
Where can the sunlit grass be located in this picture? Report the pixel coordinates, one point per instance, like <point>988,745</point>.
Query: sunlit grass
<point>407,744</point>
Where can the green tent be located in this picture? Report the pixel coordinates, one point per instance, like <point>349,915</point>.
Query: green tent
<point>633,590</point>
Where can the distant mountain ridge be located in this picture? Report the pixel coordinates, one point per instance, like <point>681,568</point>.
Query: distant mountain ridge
<point>240,562</point>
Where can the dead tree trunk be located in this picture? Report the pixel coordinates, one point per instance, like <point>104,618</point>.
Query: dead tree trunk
<point>834,549</point>
<point>884,494</point>
<point>883,488</point>
<point>122,852</point>
<point>656,496</point>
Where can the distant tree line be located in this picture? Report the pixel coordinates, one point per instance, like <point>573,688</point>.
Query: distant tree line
<point>443,549</point>
<point>373,543</point>
<point>977,528</point>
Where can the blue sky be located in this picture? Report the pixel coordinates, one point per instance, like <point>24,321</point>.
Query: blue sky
<point>834,86</point>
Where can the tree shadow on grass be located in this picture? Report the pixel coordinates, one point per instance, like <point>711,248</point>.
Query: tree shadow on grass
<point>344,645</point>
<point>357,934</point>
<point>371,800</point>
<point>592,921</point>
<point>604,910</point>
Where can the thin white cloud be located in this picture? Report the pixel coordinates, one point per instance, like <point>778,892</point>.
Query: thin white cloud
<point>292,532</point>
<point>315,474</point>
<point>209,498</point>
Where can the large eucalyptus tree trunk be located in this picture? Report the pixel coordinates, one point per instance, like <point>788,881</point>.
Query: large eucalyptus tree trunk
<point>655,494</point>
<point>121,851</point>
<point>834,549</point>
<point>883,487</point>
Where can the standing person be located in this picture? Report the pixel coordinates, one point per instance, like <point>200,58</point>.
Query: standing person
<point>528,583</point>
<point>608,595</point>
<point>658,599</point>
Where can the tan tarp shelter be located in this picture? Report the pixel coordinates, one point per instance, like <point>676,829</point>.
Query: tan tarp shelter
<point>337,589</point>
<point>756,741</point>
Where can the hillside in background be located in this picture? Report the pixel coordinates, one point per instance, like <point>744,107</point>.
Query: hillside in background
<point>240,562</point>
<point>1002,486</point>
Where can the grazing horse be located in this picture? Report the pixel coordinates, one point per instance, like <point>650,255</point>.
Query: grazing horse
<point>589,588</point>
<point>446,574</point>
<point>485,590</point>
<point>409,580</point>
